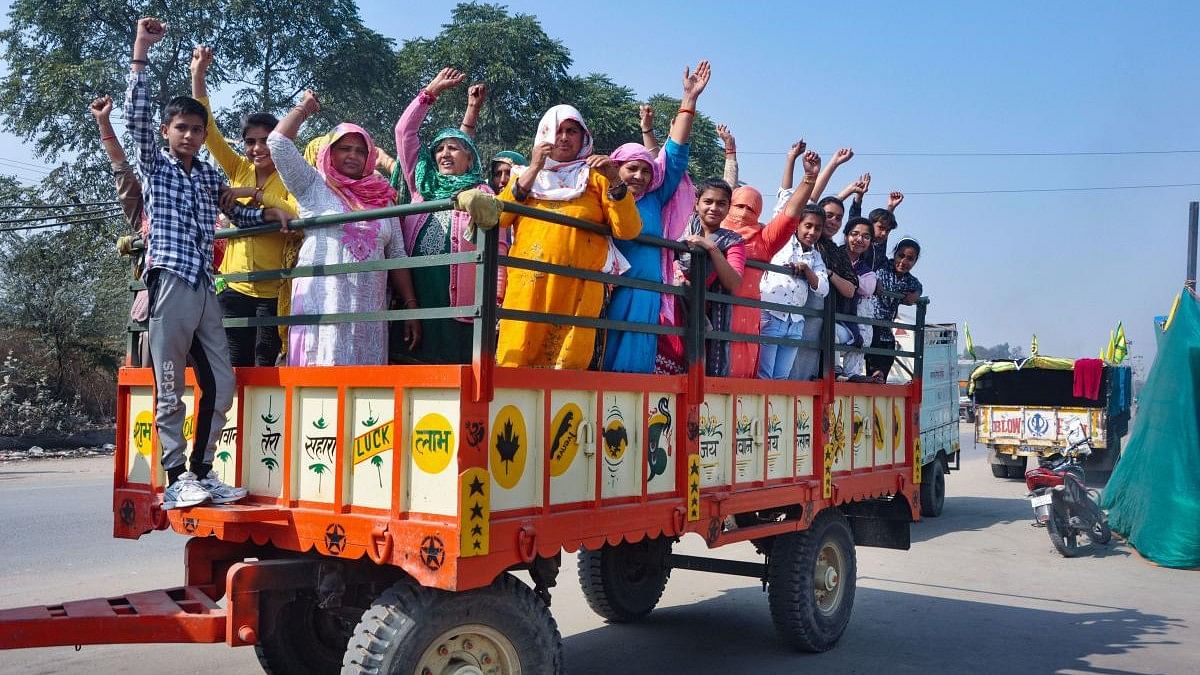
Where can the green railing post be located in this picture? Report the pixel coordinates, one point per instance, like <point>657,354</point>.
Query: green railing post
<point>483,349</point>
<point>694,342</point>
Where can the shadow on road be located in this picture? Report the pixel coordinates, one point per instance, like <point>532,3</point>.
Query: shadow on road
<point>972,514</point>
<point>890,631</point>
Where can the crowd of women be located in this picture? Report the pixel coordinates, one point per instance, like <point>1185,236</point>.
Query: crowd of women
<point>639,188</point>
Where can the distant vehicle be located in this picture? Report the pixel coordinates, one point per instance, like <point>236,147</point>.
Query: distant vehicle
<point>939,444</point>
<point>1025,409</point>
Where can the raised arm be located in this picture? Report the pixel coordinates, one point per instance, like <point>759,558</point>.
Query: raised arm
<point>693,85</point>
<point>408,140</point>
<point>894,200</point>
<point>795,204</point>
<point>839,158</point>
<point>731,164</point>
<point>150,32</point>
<point>859,190</point>
<point>101,108</point>
<point>227,157</point>
<point>298,176</point>
<point>129,189</point>
<point>476,97</point>
<point>646,124</point>
<point>789,164</point>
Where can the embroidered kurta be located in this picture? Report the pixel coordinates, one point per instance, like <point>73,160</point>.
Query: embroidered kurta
<point>340,344</point>
<point>560,346</point>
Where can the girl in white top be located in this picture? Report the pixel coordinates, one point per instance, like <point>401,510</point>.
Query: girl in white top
<point>807,276</point>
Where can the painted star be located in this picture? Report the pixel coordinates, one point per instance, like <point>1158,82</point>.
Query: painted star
<point>432,551</point>
<point>476,545</point>
<point>695,470</point>
<point>476,487</point>
<point>476,512</point>
<point>477,531</point>
<point>695,486</point>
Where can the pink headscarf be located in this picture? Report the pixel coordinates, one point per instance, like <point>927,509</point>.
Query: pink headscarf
<point>675,212</point>
<point>371,191</point>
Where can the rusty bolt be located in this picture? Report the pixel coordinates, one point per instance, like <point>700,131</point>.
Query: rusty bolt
<point>487,660</point>
<point>467,645</point>
<point>426,671</point>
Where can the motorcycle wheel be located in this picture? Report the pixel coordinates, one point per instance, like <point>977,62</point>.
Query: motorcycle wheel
<point>1062,535</point>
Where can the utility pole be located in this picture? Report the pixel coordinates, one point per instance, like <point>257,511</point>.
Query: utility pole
<point>1193,225</point>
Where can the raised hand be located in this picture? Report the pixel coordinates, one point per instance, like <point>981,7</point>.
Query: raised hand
<point>894,200</point>
<point>202,56</point>
<point>447,78</point>
<point>726,137</point>
<point>646,117</point>
<point>476,95</point>
<point>541,152</point>
<point>695,82</point>
<point>101,107</point>
<point>605,166</point>
<point>309,103</point>
<point>842,156</point>
<point>863,184</point>
<point>150,31</point>
<point>797,149</point>
<point>812,163</point>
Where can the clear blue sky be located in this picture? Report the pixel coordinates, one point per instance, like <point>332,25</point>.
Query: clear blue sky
<point>943,77</point>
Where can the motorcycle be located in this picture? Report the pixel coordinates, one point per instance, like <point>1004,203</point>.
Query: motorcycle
<point>1062,502</point>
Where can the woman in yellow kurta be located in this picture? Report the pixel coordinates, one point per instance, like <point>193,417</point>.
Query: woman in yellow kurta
<point>254,180</point>
<point>566,178</point>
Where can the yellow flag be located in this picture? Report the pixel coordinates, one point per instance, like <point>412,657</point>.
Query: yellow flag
<point>970,342</point>
<point>1171,314</point>
<point>1033,346</point>
<point>1120,344</point>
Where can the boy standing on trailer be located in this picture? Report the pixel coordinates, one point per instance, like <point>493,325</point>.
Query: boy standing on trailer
<point>182,196</point>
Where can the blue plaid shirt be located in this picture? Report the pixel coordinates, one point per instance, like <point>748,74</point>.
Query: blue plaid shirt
<point>182,208</point>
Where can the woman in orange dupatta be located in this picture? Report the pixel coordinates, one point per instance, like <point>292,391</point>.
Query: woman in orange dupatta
<point>762,243</point>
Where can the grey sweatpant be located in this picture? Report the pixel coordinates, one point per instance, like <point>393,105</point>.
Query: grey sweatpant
<point>183,321</point>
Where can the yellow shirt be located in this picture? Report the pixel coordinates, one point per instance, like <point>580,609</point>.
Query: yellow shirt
<point>263,251</point>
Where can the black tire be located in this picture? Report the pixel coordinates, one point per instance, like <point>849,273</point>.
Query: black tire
<point>1064,538</point>
<point>1000,470</point>
<point>809,618</point>
<point>933,489</point>
<point>623,583</point>
<point>1017,470</point>
<point>488,628</point>
<point>297,636</point>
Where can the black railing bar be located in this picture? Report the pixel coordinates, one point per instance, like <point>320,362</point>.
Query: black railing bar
<point>353,317</point>
<point>762,304</point>
<point>768,267</point>
<point>552,217</point>
<point>588,322</point>
<point>729,336</point>
<point>874,350</point>
<point>852,318</point>
<point>589,275</point>
<point>340,218</point>
<point>413,262</point>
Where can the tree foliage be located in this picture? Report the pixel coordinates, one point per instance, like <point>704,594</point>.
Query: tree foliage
<point>1000,351</point>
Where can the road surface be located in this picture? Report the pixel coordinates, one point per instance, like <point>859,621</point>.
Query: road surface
<point>981,592</point>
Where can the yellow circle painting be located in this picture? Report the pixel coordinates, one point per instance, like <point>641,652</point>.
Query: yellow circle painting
<point>510,445</point>
<point>432,443</point>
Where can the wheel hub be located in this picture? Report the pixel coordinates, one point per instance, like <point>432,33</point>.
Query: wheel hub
<point>470,650</point>
<point>827,578</point>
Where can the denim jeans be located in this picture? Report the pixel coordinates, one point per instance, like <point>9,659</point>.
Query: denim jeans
<point>775,361</point>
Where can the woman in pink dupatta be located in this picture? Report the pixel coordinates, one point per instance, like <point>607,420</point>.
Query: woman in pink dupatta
<point>343,181</point>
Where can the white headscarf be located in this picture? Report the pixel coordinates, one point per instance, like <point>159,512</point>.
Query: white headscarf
<point>560,181</point>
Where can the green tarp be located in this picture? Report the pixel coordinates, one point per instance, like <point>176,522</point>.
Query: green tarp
<point>1153,496</point>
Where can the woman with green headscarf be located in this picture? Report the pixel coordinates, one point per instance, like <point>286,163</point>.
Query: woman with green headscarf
<point>501,169</point>
<point>445,166</point>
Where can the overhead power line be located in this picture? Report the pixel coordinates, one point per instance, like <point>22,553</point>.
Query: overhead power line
<point>63,223</point>
<point>1048,153</point>
<point>69,205</point>
<point>1061,189</point>
<point>35,219</point>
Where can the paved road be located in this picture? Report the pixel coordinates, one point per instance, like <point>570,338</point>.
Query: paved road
<point>980,592</point>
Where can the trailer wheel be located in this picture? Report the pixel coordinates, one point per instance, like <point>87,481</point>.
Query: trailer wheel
<point>623,583</point>
<point>1000,471</point>
<point>933,489</point>
<point>1017,471</point>
<point>299,637</point>
<point>811,577</point>
<point>503,629</point>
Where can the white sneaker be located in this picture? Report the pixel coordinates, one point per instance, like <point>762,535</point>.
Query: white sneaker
<point>184,492</point>
<point>221,493</point>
